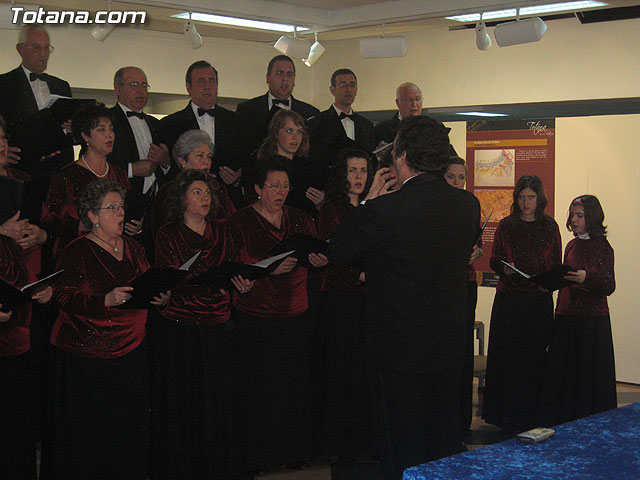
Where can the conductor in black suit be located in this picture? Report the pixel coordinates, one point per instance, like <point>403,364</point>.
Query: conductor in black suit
<point>26,90</point>
<point>222,125</point>
<point>414,244</point>
<point>258,112</point>
<point>137,148</point>
<point>339,126</point>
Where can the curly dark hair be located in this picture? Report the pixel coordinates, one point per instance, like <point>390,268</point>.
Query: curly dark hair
<point>269,146</point>
<point>593,215</point>
<point>91,197</point>
<point>426,143</point>
<point>276,163</point>
<point>175,205</point>
<point>534,183</point>
<point>338,188</point>
<point>87,118</point>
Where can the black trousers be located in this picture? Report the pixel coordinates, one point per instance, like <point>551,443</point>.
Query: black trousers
<point>417,416</point>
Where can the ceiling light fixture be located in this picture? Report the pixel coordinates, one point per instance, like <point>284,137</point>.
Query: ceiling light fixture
<point>238,22</point>
<point>520,31</point>
<point>315,53</point>
<point>293,46</point>
<point>534,10</point>
<point>101,31</point>
<point>483,40</point>
<point>383,47</point>
<point>194,39</point>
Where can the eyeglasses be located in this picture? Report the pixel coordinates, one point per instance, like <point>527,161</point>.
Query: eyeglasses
<point>40,48</point>
<point>347,84</point>
<point>143,85</point>
<point>277,186</point>
<point>411,99</point>
<point>113,207</point>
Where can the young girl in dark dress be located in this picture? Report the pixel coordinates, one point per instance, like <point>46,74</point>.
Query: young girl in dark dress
<point>581,376</point>
<point>522,312</point>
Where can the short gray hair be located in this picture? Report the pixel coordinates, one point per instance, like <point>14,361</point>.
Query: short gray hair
<point>189,141</point>
<point>29,27</point>
<point>405,85</point>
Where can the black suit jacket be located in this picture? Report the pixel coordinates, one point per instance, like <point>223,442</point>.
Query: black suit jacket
<point>415,245</point>
<point>327,136</point>
<point>255,117</point>
<point>17,102</point>
<point>125,150</point>
<point>386,129</point>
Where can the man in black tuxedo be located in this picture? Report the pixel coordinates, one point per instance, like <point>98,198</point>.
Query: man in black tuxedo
<point>222,125</point>
<point>409,102</point>
<point>136,148</point>
<point>340,127</point>
<point>257,112</point>
<point>415,244</point>
<point>26,90</point>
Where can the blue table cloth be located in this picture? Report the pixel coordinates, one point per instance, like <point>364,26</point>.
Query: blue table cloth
<point>602,446</point>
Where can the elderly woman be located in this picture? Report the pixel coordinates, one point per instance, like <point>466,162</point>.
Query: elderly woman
<point>93,127</point>
<point>99,419</point>
<point>343,411</point>
<point>289,138</point>
<point>272,328</point>
<point>190,341</point>
<point>192,150</point>
<point>18,439</point>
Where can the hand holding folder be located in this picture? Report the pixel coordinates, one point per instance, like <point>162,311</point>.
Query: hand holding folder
<point>12,297</point>
<point>552,279</point>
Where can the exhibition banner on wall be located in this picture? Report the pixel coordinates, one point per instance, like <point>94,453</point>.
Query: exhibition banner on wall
<point>498,153</point>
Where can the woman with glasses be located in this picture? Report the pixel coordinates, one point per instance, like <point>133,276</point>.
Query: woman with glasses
<point>272,328</point>
<point>98,426</point>
<point>93,127</point>
<point>289,138</point>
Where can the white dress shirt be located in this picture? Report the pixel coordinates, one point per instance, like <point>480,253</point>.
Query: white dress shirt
<point>347,123</point>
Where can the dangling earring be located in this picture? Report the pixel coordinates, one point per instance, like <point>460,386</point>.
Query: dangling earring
<point>97,225</point>
<point>259,197</point>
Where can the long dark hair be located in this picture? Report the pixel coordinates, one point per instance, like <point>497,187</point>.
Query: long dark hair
<point>338,188</point>
<point>593,215</point>
<point>175,196</point>
<point>534,183</point>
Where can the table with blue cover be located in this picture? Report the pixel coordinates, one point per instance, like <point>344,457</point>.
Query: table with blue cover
<point>602,446</point>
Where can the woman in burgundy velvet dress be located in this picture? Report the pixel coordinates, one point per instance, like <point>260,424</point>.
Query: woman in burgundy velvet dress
<point>98,426</point>
<point>522,312</point>
<point>190,342</point>
<point>272,328</point>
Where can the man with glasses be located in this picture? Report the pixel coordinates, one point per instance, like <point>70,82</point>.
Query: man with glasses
<point>339,126</point>
<point>222,125</point>
<point>409,102</point>
<point>136,148</point>
<point>257,112</point>
<point>26,90</point>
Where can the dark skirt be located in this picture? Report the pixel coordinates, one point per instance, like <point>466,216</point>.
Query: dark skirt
<point>342,404</point>
<point>18,429</point>
<point>190,400</point>
<point>581,372</point>
<point>516,359</point>
<point>273,396</point>
<point>466,380</point>
<point>98,426</point>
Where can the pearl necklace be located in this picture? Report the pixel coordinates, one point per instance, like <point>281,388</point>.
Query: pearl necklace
<point>115,249</point>
<point>91,169</point>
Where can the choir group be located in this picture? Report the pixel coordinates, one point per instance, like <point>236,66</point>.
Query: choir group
<point>226,380</point>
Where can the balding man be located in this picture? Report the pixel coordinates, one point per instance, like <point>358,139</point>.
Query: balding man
<point>409,102</point>
<point>136,148</point>
<point>27,89</point>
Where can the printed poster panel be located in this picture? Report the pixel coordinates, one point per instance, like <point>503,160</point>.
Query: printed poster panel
<point>498,153</point>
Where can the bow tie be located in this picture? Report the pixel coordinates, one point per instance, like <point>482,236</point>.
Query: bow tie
<point>345,115</point>
<point>211,112</point>
<point>275,101</point>
<point>131,113</point>
<point>36,76</point>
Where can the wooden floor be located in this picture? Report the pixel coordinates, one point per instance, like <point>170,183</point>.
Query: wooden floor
<point>481,434</point>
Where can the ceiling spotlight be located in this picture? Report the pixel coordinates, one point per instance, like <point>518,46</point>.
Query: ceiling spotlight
<point>483,40</point>
<point>101,31</point>
<point>520,31</point>
<point>293,46</point>
<point>194,39</point>
<point>315,53</point>
<point>383,47</point>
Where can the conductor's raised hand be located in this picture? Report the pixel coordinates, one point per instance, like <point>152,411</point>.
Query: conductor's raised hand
<point>383,182</point>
